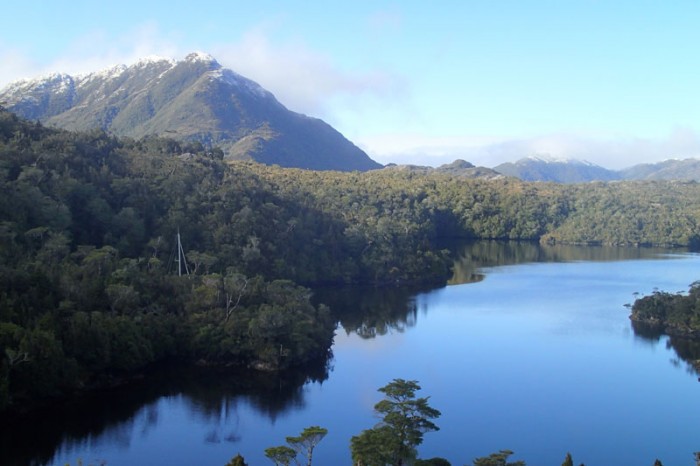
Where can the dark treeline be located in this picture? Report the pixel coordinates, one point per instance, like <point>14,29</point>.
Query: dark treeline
<point>674,314</point>
<point>88,284</point>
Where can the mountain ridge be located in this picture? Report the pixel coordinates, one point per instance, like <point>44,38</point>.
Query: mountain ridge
<point>542,168</point>
<point>538,168</point>
<point>197,99</point>
<point>194,99</point>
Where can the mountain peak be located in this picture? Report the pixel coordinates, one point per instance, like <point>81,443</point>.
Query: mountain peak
<point>544,167</point>
<point>43,81</point>
<point>152,60</point>
<point>457,164</point>
<point>549,158</point>
<point>201,57</point>
<point>194,98</point>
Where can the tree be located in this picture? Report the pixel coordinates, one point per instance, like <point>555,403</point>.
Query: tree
<point>568,461</point>
<point>432,462</point>
<point>237,460</point>
<point>282,455</point>
<point>305,444</point>
<point>307,441</point>
<point>497,459</point>
<point>405,419</point>
<point>373,447</point>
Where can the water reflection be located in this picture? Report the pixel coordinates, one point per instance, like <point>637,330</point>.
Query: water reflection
<point>115,416</point>
<point>687,351</point>
<point>217,397</point>
<point>472,256</point>
<point>371,312</point>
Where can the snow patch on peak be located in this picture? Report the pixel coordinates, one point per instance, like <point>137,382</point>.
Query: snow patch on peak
<point>59,82</point>
<point>47,79</point>
<point>151,60</point>
<point>549,158</point>
<point>235,79</point>
<point>104,74</point>
<point>200,57</point>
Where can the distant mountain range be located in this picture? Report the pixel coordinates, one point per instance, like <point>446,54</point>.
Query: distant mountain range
<point>686,169</point>
<point>561,171</point>
<point>193,99</point>
<point>543,168</point>
<point>196,99</point>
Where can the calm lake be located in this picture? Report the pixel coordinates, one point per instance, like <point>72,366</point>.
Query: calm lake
<point>529,348</point>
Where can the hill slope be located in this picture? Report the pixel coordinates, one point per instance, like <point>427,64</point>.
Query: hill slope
<point>673,169</point>
<point>459,168</point>
<point>560,171</point>
<point>194,99</point>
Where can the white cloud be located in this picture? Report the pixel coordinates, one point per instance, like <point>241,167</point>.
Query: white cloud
<point>96,50</point>
<point>359,102</point>
<point>419,149</point>
<point>15,65</point>
<point>612,153</point>
<point>302,79</point>
<point>92,51</point>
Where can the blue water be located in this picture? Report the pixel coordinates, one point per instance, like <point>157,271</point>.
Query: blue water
<point>538,358</point>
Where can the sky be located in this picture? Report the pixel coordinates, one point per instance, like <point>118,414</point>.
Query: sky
<point>613,82</point>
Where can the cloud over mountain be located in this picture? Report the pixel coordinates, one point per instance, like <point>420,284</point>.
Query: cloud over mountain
<point>193,99</point>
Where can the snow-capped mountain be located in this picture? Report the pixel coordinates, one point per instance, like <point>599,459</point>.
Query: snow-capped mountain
<point>560,170</point>
<point>192,99</point>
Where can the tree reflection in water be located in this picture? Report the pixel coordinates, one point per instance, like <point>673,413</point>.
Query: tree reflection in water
<point>116,415</point>
<point>371,312</point>
<point>217,395</point>
<point>686,350</point>
<point>470,257</point>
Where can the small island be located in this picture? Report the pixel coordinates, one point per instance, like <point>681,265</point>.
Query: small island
<point>676,315</point>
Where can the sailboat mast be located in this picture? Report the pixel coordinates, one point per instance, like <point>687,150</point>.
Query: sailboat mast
<point>181,256</point>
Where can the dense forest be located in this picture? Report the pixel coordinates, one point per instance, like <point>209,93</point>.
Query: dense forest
<point>89,282</point>
<point>675,314</point>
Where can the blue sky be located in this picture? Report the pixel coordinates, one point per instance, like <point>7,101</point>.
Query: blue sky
<point>614,82</point>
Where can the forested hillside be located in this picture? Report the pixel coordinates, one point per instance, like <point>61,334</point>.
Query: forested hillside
<point>194,99</point>
<point>88,284</point>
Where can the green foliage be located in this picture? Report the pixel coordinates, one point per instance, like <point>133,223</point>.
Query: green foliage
<point>497,459</point>
<point>374,447</point>
<point>432,462</point>
<point>237,460</point>
<point>306,442</point>
<point>568,460</point>
<point>630,213</point>
<point>405,419</point>
<point>675,314</point>
<point>282,455</point>
<point>303,444</point>
<point>87,228</point>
